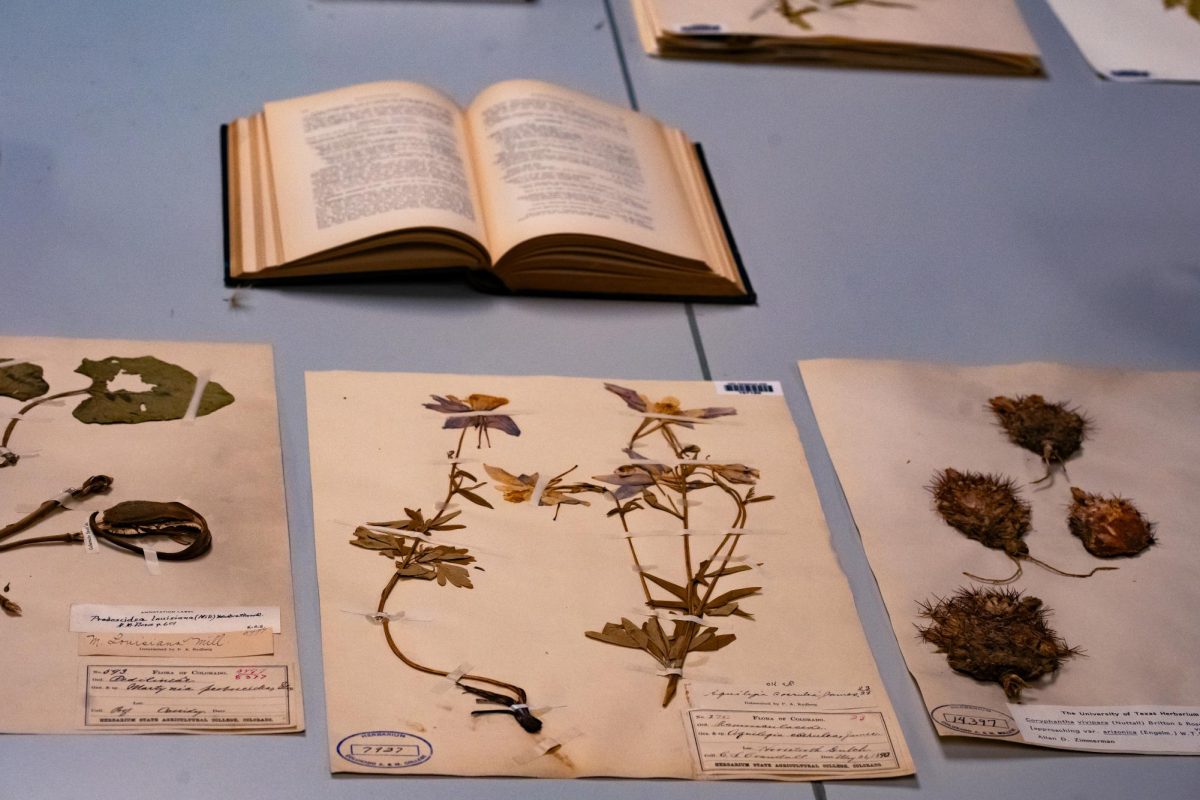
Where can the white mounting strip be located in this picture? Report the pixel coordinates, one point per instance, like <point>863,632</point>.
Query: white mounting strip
<point>451,679</point>
<point>152,565</point>
<point>378,617</point>
<point>90,545</point>
<point>538,488</point>
<point>545,744</point>
<point>202,379</point>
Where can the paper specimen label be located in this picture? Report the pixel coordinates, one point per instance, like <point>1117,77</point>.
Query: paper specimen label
<point>791,742</point>
<point>86,618</point>
<point>1141,729</point>
<point>257,642</point>
<point>195,696</point>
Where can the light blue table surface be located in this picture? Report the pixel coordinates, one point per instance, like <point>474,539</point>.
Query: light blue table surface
<point>879,215</point>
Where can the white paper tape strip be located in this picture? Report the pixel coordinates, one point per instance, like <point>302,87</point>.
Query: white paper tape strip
<point>193,407</point>
<point>538,488</point>
<point>151,556</point>
<point>90,545</point>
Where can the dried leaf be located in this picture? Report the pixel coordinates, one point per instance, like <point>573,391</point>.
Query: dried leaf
<point>613,634</point>
<point>474,498</point>
<point>761,499</point>
<point>653,501</point>
<point>713,644</point>
<point>673,605</point>
<point>730,596</point>
<point>455,574</point>
<point>658,638</point>
<point>167,399</point>
<point>721,573</point>
<point>674,589</point>
<point>22,381</point>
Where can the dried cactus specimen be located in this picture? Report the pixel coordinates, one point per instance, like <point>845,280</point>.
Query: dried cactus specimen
<point>995,635</point>
<point>986,508</point>
<point>1051,430</point>
<point>1108,526</point>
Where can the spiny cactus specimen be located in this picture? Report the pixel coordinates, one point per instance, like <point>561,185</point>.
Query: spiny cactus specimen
<point>1051,430</point>
<point>995,635</point>
<point>986,508</point>
<point>1108,526</point>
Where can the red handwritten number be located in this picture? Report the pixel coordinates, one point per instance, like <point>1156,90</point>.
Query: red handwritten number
<point>249,674</point>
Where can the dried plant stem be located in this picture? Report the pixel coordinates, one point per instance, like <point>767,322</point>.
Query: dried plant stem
<point>517,691</point>
<point>696,609</point>
<point>12,423</point>
<point>96,484</point>
<point>63,538</point>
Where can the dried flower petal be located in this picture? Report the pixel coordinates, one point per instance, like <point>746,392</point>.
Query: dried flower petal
<point>995,635</point>
<point>1108,526</point>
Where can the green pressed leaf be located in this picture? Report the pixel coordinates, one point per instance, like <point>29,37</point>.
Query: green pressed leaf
<point>22,381</point>
<point>167,399</point>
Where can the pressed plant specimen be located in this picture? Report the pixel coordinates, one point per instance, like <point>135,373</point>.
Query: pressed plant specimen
<point>417,558</point>
<point>995,635</point>
<point>1191,6</point>
<point>1050,430</point>
<point>1109,527</point>
<point>988,509</point>
<point>664,488</point>
<point>798,13</point>
<point>169,395</point>
<point>554,492</point>
<point>127,525</point>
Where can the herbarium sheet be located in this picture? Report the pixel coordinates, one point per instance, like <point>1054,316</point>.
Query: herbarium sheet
<point>145,581</point>
<point>1136,40</point>
<point>1032,530</point>
<point>566,577</point>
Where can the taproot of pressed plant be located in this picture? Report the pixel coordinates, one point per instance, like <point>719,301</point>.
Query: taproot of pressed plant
<point>798,13</point>
<point>987,508</point>
<point>418,558</point>
<point>664,488</point>
<point>169,395</point>
<point>127,526</point>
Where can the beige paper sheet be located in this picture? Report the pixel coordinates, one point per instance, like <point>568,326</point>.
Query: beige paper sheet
<point>226,465</point>
<point>891,425</point>
<point>1134,40</point>
<point>992,25</point>
<point>542,583</point>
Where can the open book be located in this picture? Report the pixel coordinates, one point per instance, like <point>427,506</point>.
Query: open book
<point>975,36</point>
<point>531,188</point>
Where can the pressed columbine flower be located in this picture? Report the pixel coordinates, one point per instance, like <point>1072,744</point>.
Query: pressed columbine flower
<point>475,402</point>
<point>667,406</point>
<point>631,479</point>
<point>734,473</point>
<point>520,488</point>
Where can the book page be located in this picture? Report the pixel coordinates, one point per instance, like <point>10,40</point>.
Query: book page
<point>552,161</point>
<point>366,160</point>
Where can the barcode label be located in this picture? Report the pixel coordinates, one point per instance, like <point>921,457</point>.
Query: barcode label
<point>774,388</point>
